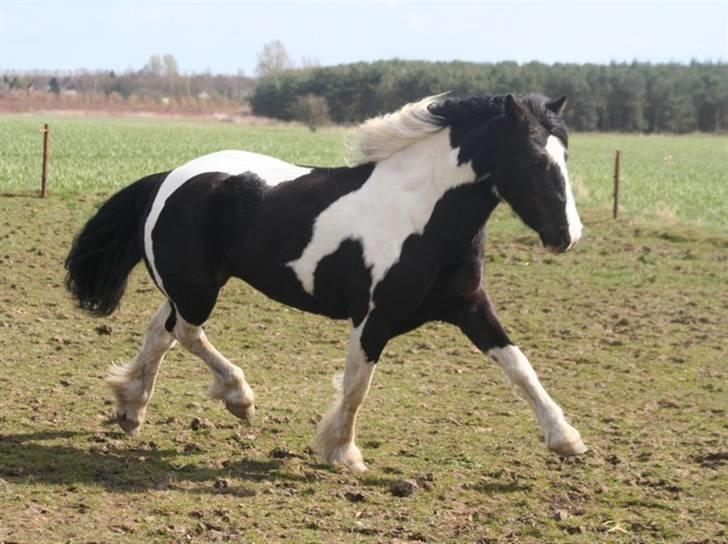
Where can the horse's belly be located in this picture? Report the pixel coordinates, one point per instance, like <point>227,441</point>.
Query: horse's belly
<point>281,284</point>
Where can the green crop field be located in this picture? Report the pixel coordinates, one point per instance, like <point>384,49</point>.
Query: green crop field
<point>664,178</point>
<point>627,332</point>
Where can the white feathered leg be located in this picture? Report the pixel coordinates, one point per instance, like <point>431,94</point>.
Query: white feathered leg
<point>560,437</point>
<point>335,437</point>
<point>133,383</point>
<point>228,383</point>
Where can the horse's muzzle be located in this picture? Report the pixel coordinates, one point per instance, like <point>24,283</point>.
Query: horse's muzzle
<point>562,247</point>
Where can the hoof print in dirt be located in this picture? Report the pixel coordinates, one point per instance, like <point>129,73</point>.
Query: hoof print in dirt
<point>282,452</point>
<point>354,496</point>
<point>200,423</point>
<point>221,485</point>
<point>403,488</point>
<point>104,330</point>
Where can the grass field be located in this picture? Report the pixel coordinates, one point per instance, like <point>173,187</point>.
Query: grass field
<point>664,178</point>
<point>628,333</point>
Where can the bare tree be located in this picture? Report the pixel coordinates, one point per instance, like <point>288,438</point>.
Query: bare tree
<point>273,59</point>
<point>154,65</point>
<point>170,65</point>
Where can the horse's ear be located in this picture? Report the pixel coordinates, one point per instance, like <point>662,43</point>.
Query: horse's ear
<point>515,112</point>
<point>557,106</point>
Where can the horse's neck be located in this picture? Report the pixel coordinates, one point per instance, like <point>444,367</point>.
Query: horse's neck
<point>429,167</point>
<point>415,179</point>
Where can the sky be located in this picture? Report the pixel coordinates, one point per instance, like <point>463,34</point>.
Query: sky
<point>226,37</point>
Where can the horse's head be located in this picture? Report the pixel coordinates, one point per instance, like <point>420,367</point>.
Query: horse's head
<point>530,170</point>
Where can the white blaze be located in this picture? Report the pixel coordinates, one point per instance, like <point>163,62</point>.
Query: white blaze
<point>556,152</point>
<point>233,162</point>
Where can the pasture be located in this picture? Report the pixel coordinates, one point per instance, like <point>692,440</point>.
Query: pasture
<point>627,332</point>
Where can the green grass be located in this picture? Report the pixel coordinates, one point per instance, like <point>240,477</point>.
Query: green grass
<point>627,332</point>
<point>680,179</point>
<point>667,178</point>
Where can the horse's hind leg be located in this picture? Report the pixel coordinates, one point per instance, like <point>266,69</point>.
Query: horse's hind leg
<point>228,382</point>
<point>133,383</point>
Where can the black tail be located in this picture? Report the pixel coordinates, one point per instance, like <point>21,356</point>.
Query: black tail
<point>109,246</point>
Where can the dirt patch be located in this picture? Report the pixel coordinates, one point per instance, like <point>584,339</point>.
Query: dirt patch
<point>627,332</point>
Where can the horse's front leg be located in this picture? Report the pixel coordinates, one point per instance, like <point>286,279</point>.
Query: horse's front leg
<point>336,433</point>
<point>477,320</point>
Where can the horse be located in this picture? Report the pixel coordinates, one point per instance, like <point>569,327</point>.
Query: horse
<point>391,241</point>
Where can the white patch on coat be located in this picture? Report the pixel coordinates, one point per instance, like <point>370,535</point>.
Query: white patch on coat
<point>556,152</point>
<point>233,162</point>
<point>396,201</point>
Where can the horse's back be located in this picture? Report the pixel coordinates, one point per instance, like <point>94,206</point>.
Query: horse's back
<point>209,169</point>
<point>233,161</point>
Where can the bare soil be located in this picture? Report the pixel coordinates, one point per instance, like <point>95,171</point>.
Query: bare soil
<point>628,333</point>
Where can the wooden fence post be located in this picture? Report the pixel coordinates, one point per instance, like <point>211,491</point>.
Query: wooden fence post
<point>615,209</point>
<point>44,175</point>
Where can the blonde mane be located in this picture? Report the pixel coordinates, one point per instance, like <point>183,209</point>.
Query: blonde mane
<point>380,137</point>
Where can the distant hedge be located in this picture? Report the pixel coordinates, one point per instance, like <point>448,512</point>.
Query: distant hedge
<point>636,97</point>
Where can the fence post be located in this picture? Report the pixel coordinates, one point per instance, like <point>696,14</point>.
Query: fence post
<point>615,209</point>
<point>44,175</point>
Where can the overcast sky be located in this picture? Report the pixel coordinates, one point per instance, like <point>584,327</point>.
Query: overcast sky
<point>224,37</point>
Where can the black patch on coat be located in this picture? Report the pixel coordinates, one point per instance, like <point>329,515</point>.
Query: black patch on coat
<point>172,318</point>
<point>192,239</point>
<point>282,227</point>
<point>342,282</point>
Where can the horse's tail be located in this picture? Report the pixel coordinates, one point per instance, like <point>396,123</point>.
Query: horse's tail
<point>109,246</point>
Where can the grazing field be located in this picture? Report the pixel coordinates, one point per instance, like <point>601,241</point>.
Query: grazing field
<point>628,333</point>
<point>675,179</point>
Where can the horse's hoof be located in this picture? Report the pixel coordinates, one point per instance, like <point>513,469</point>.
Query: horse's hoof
<point>566,442</point>
<point>347,456</point>
<point>241,411</point>
<point>128,425</point>
<point>357,468</point>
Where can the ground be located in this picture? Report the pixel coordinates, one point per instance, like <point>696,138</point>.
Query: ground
<point>627,332</point>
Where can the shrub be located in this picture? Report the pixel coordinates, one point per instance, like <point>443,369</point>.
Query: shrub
<point>311,110</point>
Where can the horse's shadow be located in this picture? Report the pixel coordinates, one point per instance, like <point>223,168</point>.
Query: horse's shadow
<point>25,459</point>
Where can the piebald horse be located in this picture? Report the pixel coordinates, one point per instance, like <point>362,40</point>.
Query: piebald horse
<point>388,243</point>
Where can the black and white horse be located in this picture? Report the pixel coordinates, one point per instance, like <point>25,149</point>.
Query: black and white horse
<point>392,242</point>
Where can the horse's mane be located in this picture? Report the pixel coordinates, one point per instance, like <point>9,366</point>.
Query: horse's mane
<point>380,137</point>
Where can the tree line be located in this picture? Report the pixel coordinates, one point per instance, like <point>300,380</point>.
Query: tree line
<point>634,97</point>
<point>158,79</point>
